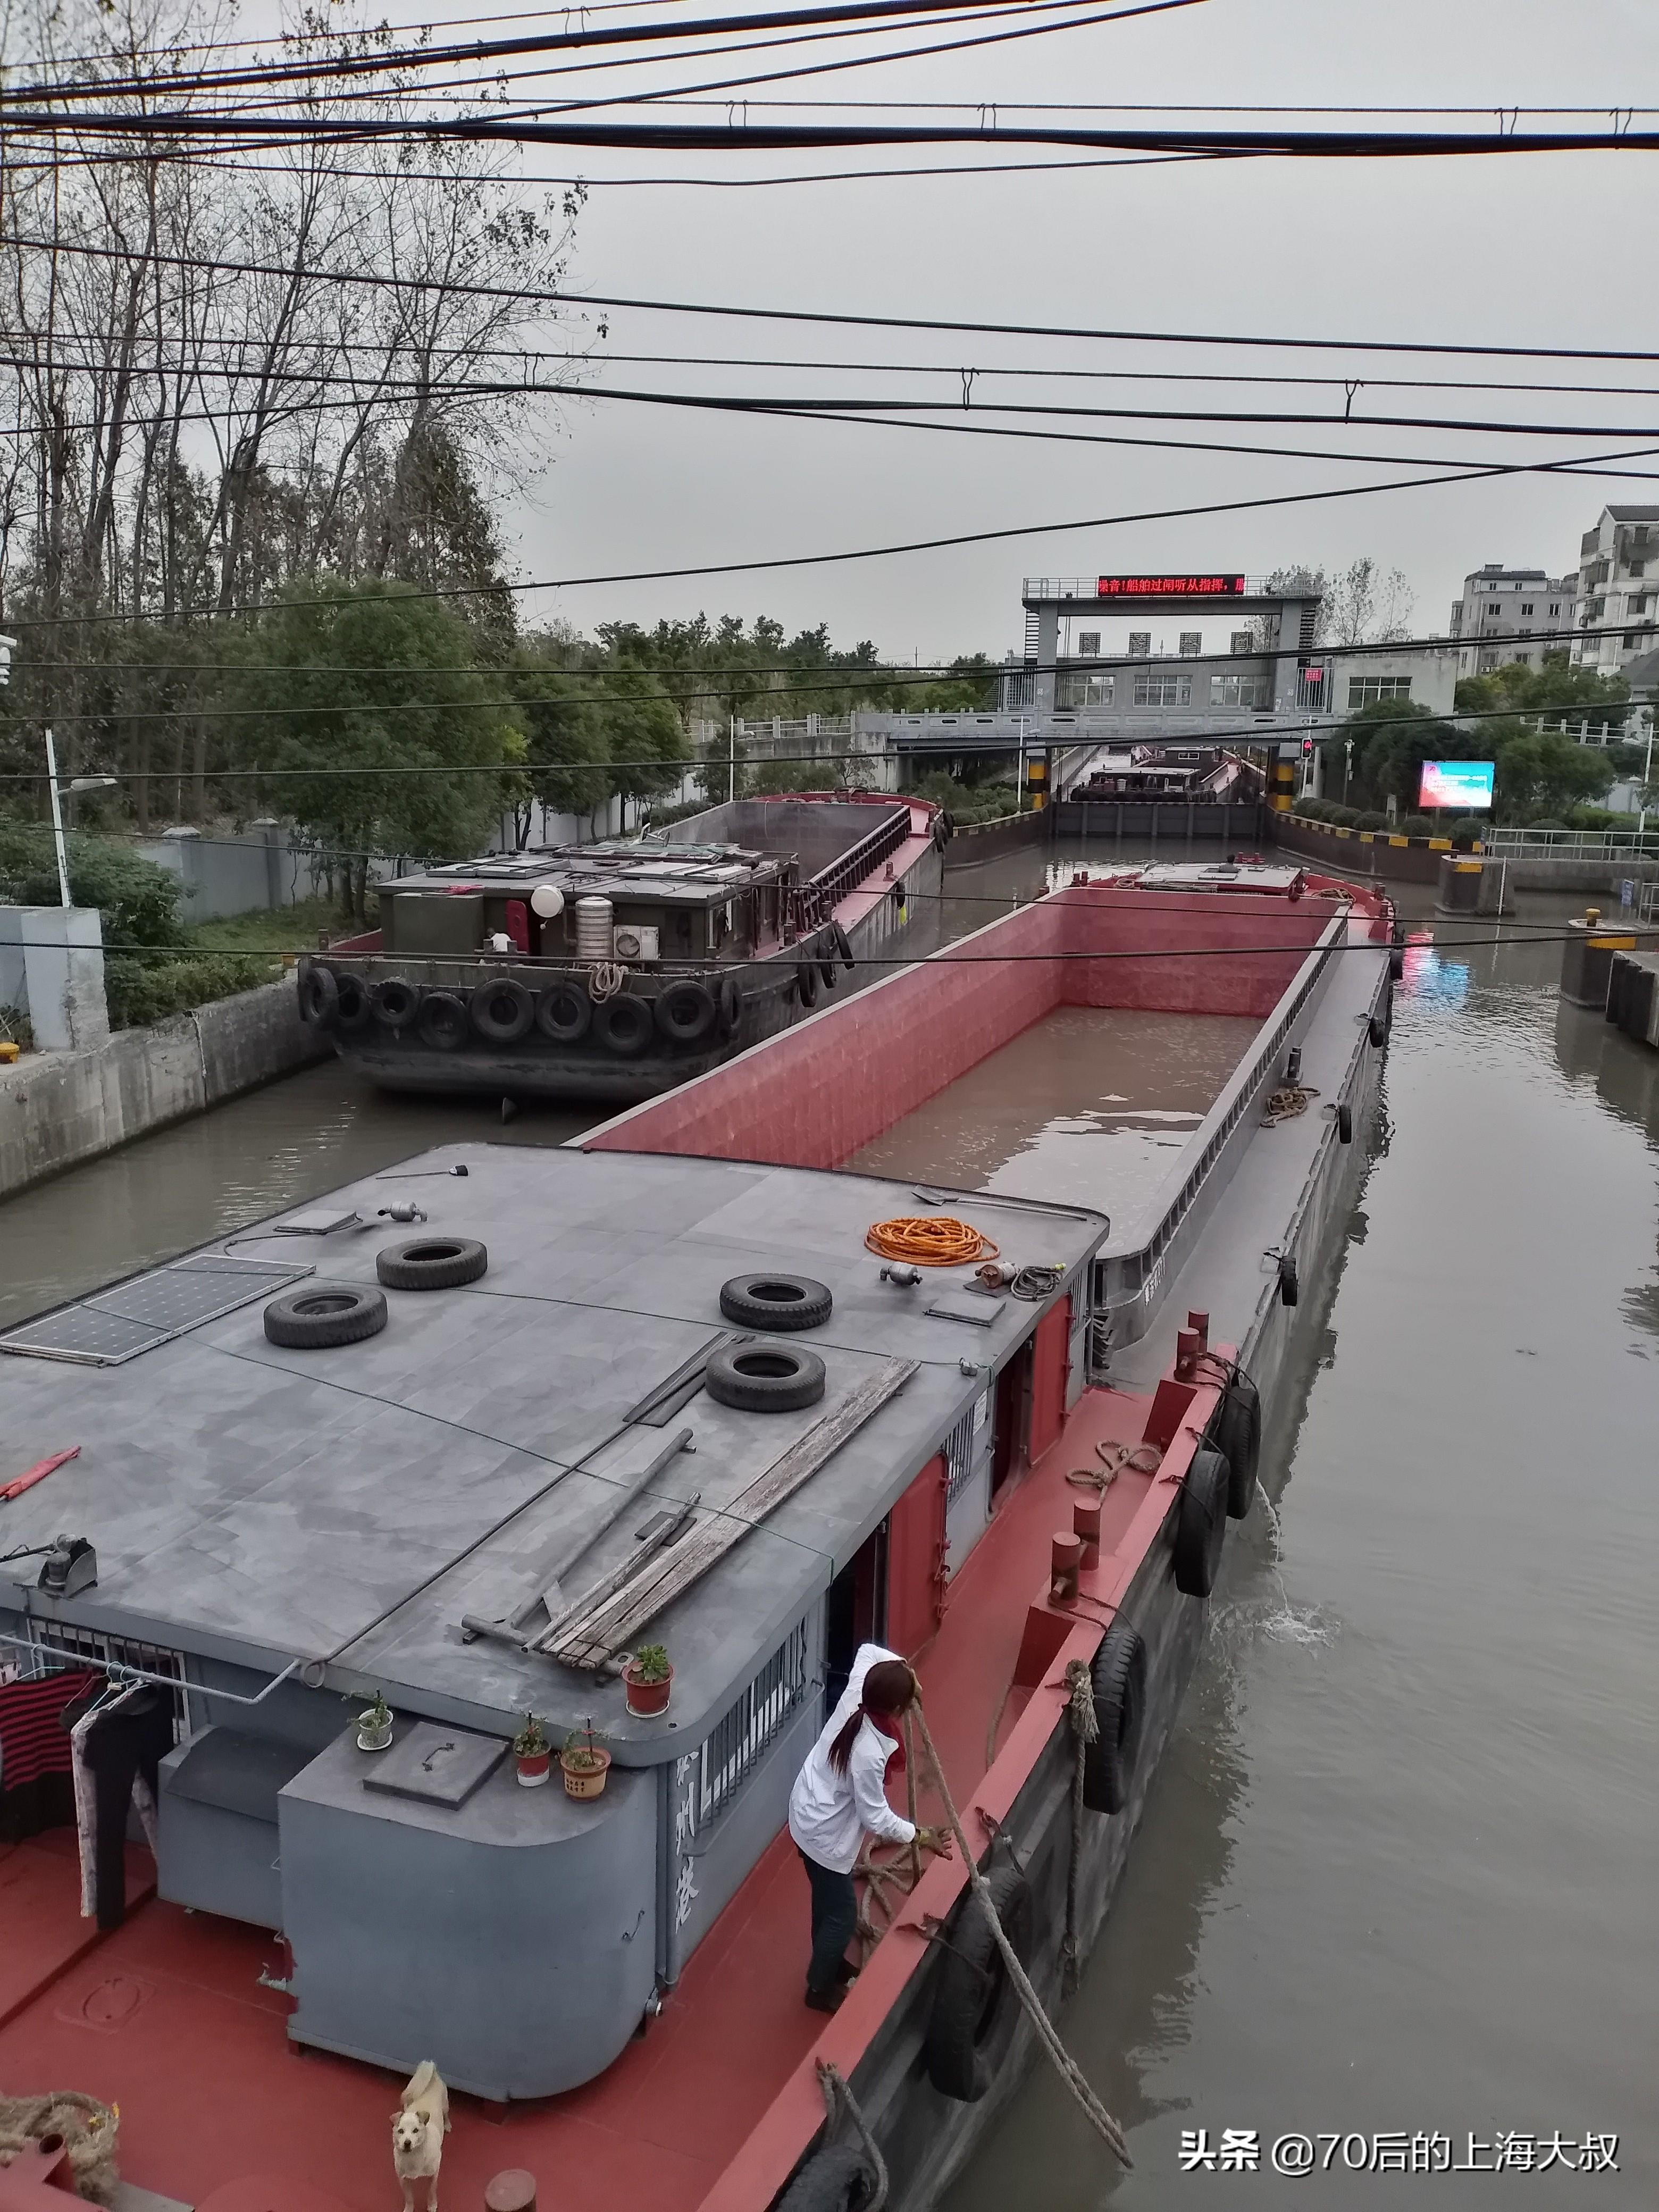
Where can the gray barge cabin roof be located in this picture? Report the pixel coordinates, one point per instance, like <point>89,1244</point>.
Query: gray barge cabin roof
<point>254,1505</point>
<point>675,875</point>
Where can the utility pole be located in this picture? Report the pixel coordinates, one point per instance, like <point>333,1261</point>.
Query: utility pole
<point>57,819</point>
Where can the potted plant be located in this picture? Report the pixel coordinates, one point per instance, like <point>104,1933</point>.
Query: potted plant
<point>584,1763</point>
<point>533,1752</point>
<point>375,1724</point>
<point>648,1680</point>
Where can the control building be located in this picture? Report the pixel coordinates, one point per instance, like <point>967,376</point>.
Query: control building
<point>1511,615</point>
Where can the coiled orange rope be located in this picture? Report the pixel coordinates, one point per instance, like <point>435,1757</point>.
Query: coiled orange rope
<point>929,1240</point>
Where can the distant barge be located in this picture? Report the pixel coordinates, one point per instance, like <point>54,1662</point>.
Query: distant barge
<point>266,1530</point>
<point>613,971</point>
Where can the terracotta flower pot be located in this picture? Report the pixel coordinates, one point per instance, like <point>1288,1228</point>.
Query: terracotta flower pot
<point>534,1767</point>
<point>586,1781</point>
<point>644,1698</point>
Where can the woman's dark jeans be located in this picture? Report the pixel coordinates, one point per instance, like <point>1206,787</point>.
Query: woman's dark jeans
<point>835,1918</point>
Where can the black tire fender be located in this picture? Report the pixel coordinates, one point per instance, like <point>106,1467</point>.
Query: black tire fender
<point>1237,1436</point>
<point>564,1013</point>
<point>431,1263</point>
<point>685,1011</point>
<point>762,1377</point>
<point>776,1303</point>
<point>442,1024</point>
<point>1379,1032</point>
<point>1345,1123</point>
<point>502,1011</point>
<point>394,1002</point>
<point>623,1026</point>
<point>826,959</point>
<point>319,996</point>
<point>1396,963</point>
<point>1119,1679</point>
<point>843,943</point>
<point>836,2177</point>
<point>1201,1523</point>
<point>730,1006</point>
<point>314,1315</point>
<point>806,982</point>
<point>356,1007</point>
<point>976,2008</point>
<point>1290,1284</point>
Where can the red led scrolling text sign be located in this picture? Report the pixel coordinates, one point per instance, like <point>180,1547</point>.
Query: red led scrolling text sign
<point>1170,587</point>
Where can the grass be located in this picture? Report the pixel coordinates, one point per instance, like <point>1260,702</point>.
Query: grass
<point>272,929</point>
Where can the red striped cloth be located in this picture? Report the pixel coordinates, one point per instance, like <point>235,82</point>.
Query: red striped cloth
<point>32,1741</point>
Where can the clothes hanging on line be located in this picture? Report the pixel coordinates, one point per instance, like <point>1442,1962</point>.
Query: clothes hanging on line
<point>121,1746</point>
<point>35,1764</point>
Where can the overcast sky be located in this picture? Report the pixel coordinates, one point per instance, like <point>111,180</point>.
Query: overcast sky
<point>1525,249</point>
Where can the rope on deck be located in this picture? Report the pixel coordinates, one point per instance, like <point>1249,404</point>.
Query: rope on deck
<point>1085,1730</point>
<point>1048,2035</point>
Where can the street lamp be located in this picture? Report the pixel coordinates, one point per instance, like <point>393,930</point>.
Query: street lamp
<point>72,784</point>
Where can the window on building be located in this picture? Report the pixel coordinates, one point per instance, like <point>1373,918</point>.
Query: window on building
<point>1088,644</point>
<point>1555,606</point>
<point>1154,688</point>
<point>1596,610</point>
<point>1237,690</point>
<point>1192,643</point>
<point>1526,606</point>
<point>1639,567</point>
<point>1366,690</point>
<point>1244,641</point>
<point>1140,645</point>
<point>1079,687</point>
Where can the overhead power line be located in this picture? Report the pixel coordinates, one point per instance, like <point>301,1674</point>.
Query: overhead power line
<point>86,249</point>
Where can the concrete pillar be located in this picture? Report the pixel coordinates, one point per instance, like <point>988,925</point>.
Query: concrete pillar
<point>187,843</point>
<point>272,836</point>
<point>58,956</point>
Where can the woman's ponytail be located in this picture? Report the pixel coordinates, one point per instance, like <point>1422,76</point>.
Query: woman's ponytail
<point>889,1687</point>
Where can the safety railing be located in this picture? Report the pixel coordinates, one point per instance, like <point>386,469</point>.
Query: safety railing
<point>1571,844</point>
<point>821,892</point>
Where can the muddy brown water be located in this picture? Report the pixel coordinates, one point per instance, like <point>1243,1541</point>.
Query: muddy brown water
<point>1396,1875</point>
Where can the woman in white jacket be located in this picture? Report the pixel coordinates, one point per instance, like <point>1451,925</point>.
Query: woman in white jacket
<point>840,1796</point>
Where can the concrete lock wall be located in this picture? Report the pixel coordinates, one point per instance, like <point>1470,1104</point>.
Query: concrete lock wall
<point>51,970</point>
<point>62,1107</point>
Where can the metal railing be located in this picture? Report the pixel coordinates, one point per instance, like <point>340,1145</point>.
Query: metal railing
<point>822,891</point>
<point>1572,844</point>
<point>738,1740</point>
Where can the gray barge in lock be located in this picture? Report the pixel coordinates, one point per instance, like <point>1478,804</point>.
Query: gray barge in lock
<point>267,1533</point>
<point>613,971</point>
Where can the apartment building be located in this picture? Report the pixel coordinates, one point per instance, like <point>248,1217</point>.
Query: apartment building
<point>1511,614</point>
<point>1615,615</point>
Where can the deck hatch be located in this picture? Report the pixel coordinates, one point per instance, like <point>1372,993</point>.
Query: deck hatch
<point>114,1326</point>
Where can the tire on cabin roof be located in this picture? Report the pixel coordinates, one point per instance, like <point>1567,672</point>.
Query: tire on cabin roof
<point>394,1001</point>
<point>686,1011</point>
<point>836,2177</point>
<point>502,1011</point>
<point>315,1316</point>
<point>764,1378</point>
<point>442,1023</point>
<point>806,984</point>
<point>564,1013</point>
<point>976,2008</point>
<point>319,996</point>
<point>355,1005</point>
<point>776,1301</point>
<point>1201,1523</point>
<point>1119,1681</point>
<point>431,1263</point>
<point>730,1007</point>
<point>1238,1437</point>
<point>623,1026</point>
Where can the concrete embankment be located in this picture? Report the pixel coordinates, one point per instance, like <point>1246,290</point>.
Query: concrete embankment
<point>59,1108</point>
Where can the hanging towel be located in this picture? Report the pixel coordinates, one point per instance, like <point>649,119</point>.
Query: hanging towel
<point>34,1754</point>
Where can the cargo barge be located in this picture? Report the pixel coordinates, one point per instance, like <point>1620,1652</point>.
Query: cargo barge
<point>581,1418</point>
<point>613,971</point>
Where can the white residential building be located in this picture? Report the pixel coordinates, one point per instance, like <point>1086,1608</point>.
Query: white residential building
<point>1616,609</point>
<point>1509,614</point>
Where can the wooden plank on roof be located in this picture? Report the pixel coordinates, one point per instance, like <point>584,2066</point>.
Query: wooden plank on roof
<point>593,1637</point>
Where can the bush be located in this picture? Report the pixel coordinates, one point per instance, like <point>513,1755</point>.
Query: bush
<point>1467,832</point>
<point>1417,825</point>
<point>1363,820</point>
<point>143,990</point>
<point>1313,810</point>
<point>1341,818</point>
<point>138,901</point>
<point>1544,822</point>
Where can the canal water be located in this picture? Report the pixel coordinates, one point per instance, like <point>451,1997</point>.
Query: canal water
<point>1397,1873</point>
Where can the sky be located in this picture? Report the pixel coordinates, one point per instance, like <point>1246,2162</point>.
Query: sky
<point>1530,250</point>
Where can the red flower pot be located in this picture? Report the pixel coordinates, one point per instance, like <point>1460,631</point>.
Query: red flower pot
<point>646,1698</point>
<point>534,1767</point>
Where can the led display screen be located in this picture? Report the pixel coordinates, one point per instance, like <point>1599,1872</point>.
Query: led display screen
<point>1170,587</point>
<point>1464,785</point>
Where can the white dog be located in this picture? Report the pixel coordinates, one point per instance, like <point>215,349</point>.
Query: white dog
<point>418,2128</point>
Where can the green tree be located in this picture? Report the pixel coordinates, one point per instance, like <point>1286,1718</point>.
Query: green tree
<point>1558,691</point>
<point>379,683</point>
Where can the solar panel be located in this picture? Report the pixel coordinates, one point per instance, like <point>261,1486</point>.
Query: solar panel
<point>116,1324</point>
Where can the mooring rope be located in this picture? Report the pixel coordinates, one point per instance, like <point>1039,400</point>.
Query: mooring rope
<point>1101,2121</point>
<point>838,2099</point>
<point>1085,1728</point>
